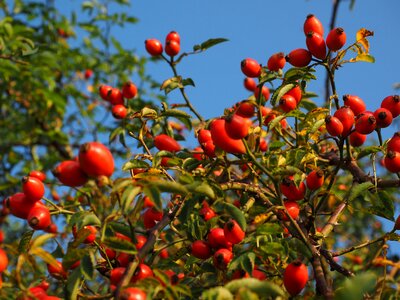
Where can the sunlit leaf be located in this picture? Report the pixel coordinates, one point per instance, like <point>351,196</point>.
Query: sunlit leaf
<point>208,44</point>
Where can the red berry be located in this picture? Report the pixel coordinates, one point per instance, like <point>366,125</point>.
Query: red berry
<point>129,90</point>
<point>383,117</point>
<point>3,260</point>
<point>346,116</point>
<point>287,103</point>
<point>295,277</point>
<point>217,239</point>
<point>69,173</point>
<point>116,275</point>
<point>33,188</point>
<point>316,44</point>
<point>132,293</point>
<point>222,140</point>
<point>142,271</point>
<point>295,93</point>
<point>233,232</point>
<point>201,249</point>
<point>38,174</point>
<point>365,123</point>
<point>313,24</point>
<point>250,67</point>
<point>96,159</point>
<point>153,47</point>
<point>104,90</point>
<point>276,61</point>
<point>336,39</point>
<point>315,179</point>
<point>392,103</point>
<point>209,148</point>
<point>88,73</point>
<point>39,218</point>
<point>250,84</point>
<point>333,126</point>
<point>263,145</point>
<point>394,143</point>
<point>292,208</point>
<point>356,104</point>
<point>115,96</point>
<point>167,143</point>
<point>207,212</point>
<point>37,292</point>
<point>299,57</point>
<point>357,139</point>
<point>237,127</point>
<point>119,111</point>
<point>173,36</point>
<point>392,161</point>
<point>88,229</point>
<point>264,92</point>
<point>245,109</point>
<point>291,191</point>
<point>151,217</point>
<point>204,136</point>
<point>172,48</point>
<point>222,258</point>
<point>19,206</point>
<point>57,271</point>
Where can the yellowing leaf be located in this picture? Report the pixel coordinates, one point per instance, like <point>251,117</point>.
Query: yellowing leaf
<point>361,38</point>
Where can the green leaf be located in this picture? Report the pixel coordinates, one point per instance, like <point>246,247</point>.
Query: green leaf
<point>121,245</point>
<point>275,145</point>
<point>280,91</point>
<point>72,256</point>
<point>154,194</point>
<point>317,125</point>
<point>261,287</point>
<point>382,205</point>
<point>269,229</point>
<point>187,209</point>
<point>356,287</point>
<point>236,214</point>
<point>83,218</point>
<point>359,189</point>
<point>135,164</point>
<point>175,113</point>
<point>23,245</point>
<point>272,248</point>
<point>188,81</point>
<point>368,150</point>
<point>202,188</point>
<point>245,262</point>
<point>73,282</point>
<point>208,44</point>
<point>217,293</point>
<point>171,84</point>
<point>170,187</point>
<point>87,266</point>
<point>128,197</point>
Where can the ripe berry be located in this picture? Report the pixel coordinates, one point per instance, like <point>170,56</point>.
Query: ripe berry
<point>264,92</point>
<point>222,258</point>
<point>392,103</point>
<point>287,103</point>
<point>315,179</point>
<point>167,143</point>
<point>142,271</point>
<point>222,140</point>
<point>115,96</point>
<point>333,126</point>
<point>69,173</point>
<point>365,123</point>
<point>201,249</point>
<point>250,84</point>
<point>383,117</point>
<point>295,93</point>
<point>209,149</point>
<point>119,111</point>
<point>173,36</point>
<point>104,91</point>
<point>132,293</point>
<point>206,211</point>
<point>95,159</point>
<point>245,109</point>
<point>36,292</point>
<point>313,24</point>
<point>237,127</point>
<point>88,73</point>
<point>116,275</point>
<point>172,48</point>
<point>3,260</point>
<point>357,139</point>
<point>336,39</point>
<point>292,208</point>
<point>33,188</point>
<point>295,277</point>
<point>291,191</point>
<point>356,104</point>
<point>153,47</point>
<point>394,143</point>
<point>346,116</point>
<point>316,44</point>
<point>392,161</point>
<point>151,217</point>
<point>38,174</point>
<point>217,239</point>
<point>129,90</point>
<point>250,67</point>
<point>19,206</point>
<point>233,232</point>
<point>276,61</point>
<point>299,57</point>
<point>88,229</point>
<point>39,218</point>
<point>57,271</point>
<point>263,145</point>
<point>204,136</point>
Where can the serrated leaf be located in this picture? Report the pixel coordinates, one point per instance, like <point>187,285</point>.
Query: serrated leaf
<point>128,196</point>
<point>148,112</point>
<point>382,205</point>
<point>356,287</point>
<point>261,287</point>
<point>368,150</point>
<point>246,262</point>
<point>154,194</point>
<point>208,44</point>
<point>202,188</point>
<point>236,214</point>
<point>187,209</point>
<point>272,248</point>
<point>171,84</point>
<point>217,293</point>
<point>359,189</point>
<point>83,218</point>
<point>24,243</point>
<point>280,91</point>
<point>87,266</point>
<point>121,245</point>
<point>275,122</point>
<point>135,163</point>
<point>317,125</point>
<point>175,113</point>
